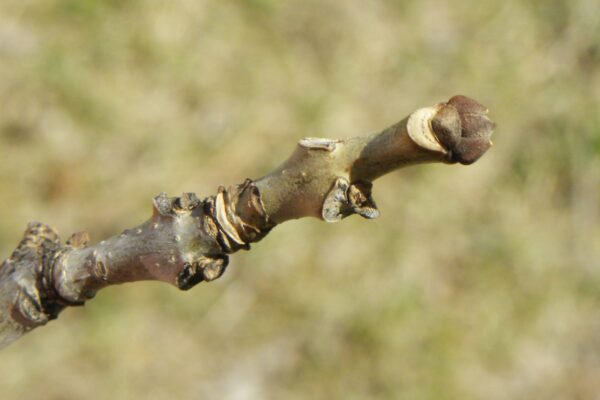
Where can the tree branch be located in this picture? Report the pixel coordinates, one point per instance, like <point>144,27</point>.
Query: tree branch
<point>188,240</point>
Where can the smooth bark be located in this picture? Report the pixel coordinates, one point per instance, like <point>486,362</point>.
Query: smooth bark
<point>187,240</point>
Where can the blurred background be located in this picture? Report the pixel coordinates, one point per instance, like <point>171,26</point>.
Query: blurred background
<point>478,282</point>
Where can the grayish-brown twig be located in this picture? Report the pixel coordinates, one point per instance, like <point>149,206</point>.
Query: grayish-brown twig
<point>187,240</point>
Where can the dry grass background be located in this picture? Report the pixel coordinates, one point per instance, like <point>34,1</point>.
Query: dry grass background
<point>478,282</point>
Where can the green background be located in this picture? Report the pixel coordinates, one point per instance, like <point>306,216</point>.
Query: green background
<point>478,282</point>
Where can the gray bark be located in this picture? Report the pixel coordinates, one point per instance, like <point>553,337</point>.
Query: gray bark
<point>188,240</point>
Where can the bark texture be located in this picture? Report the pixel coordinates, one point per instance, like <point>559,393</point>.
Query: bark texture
<point>187,240</point>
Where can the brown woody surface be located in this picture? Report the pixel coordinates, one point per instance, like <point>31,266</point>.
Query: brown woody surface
<point>188,240</point>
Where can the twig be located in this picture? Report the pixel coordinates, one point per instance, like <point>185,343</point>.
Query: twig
<point>188,240</point>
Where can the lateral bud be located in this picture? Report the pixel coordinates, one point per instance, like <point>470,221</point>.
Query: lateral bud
<point>345,199</point>
<point>162,205</point>
<point>206,268</point>
<point>78,240</point>
<point>187,202</point>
